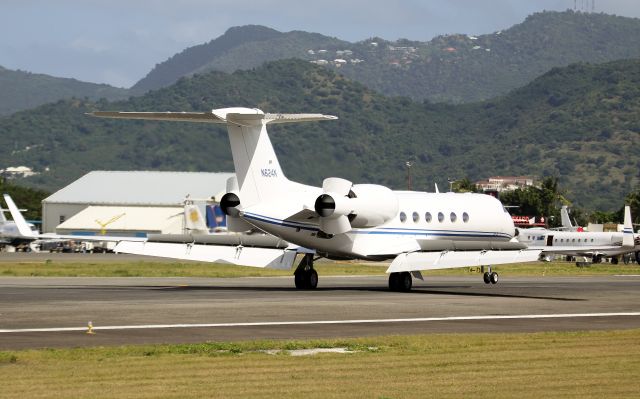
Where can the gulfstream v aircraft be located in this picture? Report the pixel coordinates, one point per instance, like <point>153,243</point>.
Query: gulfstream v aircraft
<point>340,220</point>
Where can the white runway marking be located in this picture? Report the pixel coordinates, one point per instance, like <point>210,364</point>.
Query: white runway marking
<point>317,322</point>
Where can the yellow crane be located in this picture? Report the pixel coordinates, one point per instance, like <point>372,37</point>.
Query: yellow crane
<point>103,225</point>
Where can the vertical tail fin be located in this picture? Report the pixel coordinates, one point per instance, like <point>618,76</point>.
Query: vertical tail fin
<point>21,224</point>
<point>627,235</point>
<point>257,168</point>
<point>194,223</point>
<point>564,216</point>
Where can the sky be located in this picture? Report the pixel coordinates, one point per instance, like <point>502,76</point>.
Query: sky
<point>118,42</point>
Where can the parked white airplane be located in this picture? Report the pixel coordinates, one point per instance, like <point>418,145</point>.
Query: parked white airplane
<point>10,233</point>
<point>594,245</point>
<point>340,220</point>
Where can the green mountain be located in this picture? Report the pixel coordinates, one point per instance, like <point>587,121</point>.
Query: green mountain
<point>452,68</point>
<point>24,90</point>
<point>242,47</point>
<point>580,123</point>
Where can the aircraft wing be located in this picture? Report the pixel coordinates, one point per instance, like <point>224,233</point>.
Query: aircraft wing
<point>587,251</point>
<point>272,258</point>
<point>416,261</point>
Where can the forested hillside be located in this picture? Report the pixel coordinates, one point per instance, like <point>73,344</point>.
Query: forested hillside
<point>451,68</point>
<point>580,123</point>
<point>23,90</point>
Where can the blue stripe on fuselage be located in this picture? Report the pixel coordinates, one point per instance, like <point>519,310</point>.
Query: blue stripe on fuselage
<point>383,230</point>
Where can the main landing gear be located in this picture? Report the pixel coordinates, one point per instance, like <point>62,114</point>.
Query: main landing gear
<point>306,277</point>
<point>400,282</point>
<point>489,277</point>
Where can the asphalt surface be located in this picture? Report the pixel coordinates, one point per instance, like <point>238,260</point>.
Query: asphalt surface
<point>148,310</point>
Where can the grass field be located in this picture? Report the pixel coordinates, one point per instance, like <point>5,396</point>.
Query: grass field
<point>581,364</point>
<point>51,268</point>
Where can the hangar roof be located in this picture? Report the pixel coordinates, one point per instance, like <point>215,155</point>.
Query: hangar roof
<point>140,188</point>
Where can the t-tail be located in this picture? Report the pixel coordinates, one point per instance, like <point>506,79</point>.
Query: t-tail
<point>259,175</point>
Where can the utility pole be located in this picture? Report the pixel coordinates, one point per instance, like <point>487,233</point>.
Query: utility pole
<point>409,164</point>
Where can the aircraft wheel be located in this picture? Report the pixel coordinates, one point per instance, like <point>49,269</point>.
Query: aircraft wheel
<point>405,282</point>
<point>394,281</point>
<point>312,279</point>
<point>486,277</point>
<point>300,280</point>
<point>626,259</point>
<point>614,260</point>
<point>494,278</point>
<point>638,257</point>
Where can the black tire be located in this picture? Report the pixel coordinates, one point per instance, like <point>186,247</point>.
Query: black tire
<point>494,278</point>
<point>638,257</point>
<point>614,260</point>
<point>405,282</point>
<point>486,277</point>
<point>312,279</point>
<point>301,282</point>
<point>393,281</point>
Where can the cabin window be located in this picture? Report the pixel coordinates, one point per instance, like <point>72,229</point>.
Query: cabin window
<point>453,217</point>
<point>465,217</point>
<point>440,217</point>
<point>427,217</point>
<point>403,217</point>
<point>592,240</point>
<point>562,240</point>
<point>416,217</point>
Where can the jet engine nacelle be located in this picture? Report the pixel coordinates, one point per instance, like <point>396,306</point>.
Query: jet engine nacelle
<point>231,206</point>
<point>363,205</point>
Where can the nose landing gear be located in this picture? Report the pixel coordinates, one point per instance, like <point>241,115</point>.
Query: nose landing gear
<point>490,277</point>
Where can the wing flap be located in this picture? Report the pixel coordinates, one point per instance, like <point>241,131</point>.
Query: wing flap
<point>414,261</point>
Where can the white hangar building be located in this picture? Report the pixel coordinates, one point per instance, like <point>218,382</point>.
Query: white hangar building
<point>128,203</point>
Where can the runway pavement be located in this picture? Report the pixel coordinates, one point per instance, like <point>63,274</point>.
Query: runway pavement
<point>172,310</point>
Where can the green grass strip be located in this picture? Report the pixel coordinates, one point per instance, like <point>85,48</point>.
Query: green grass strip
<point>524,365</point>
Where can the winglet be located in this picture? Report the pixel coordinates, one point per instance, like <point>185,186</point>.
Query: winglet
<point>21,224</point>
<point>627,235</point>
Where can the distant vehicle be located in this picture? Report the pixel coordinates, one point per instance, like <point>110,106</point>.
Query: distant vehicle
<point>593,245</point>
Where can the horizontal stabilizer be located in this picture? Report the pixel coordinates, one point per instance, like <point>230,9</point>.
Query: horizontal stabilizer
<point>413,261</point>
<point>237,116</point>
<point>270,258</point>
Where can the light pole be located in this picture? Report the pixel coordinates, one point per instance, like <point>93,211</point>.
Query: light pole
<point>409,164</point>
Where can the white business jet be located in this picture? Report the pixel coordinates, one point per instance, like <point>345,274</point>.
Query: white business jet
<point>12,235</point>
<point>340,220</point>
<point>573,242</point>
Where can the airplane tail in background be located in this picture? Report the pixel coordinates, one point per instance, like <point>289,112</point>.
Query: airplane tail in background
<point>257,168</point>
<point>627,235</point>
<point>564,217</point>
<point>194,223</point>
<point>21,224</point>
